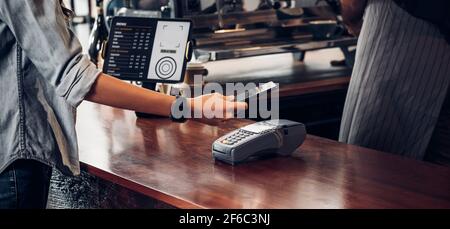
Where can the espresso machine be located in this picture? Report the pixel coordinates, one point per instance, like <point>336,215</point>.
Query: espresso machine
<point>227,29</point>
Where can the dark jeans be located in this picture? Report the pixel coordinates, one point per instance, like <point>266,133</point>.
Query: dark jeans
<point>25,184</point>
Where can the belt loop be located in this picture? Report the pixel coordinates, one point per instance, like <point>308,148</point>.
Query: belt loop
<point>14,179</point>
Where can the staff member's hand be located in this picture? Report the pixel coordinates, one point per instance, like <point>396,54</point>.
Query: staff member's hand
<point>354,28</point>
<point>352,14</point>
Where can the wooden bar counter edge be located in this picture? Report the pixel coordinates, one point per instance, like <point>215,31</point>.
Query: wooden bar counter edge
<point>172,163</point>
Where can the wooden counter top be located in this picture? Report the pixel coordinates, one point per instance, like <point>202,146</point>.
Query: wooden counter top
<point>172,163</point>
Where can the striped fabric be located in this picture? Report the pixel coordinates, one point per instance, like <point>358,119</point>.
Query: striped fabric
<point>439,148</point>
<point>399,83</point>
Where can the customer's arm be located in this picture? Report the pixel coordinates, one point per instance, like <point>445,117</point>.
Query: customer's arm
<point>352,14</point>
<point>110,91</point>
<point>113,92</point>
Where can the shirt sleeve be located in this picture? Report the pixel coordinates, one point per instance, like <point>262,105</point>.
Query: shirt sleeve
<point>41,31</point>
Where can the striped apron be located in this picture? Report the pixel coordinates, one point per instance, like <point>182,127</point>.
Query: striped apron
<point>399,82</point>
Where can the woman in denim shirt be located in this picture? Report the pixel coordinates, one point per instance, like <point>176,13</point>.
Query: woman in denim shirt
<point>43,78</point>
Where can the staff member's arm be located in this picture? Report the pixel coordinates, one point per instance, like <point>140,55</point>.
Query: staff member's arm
<point>352,14</point>
<point>42,33</point>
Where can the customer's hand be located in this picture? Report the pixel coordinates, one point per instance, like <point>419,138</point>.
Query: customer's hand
<point>215,106</point>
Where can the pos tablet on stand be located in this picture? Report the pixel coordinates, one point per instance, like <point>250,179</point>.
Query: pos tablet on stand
<point>149,50</point>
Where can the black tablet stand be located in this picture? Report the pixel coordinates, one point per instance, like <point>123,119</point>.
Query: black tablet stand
<point>149,86</point>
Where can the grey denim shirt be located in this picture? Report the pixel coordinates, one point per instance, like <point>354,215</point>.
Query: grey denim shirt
<point>43,78</point>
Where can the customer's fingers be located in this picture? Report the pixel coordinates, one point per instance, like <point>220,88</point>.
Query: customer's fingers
<point>230,98</point>
<point>232,106</point>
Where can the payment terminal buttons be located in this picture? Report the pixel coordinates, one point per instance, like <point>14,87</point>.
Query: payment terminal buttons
<point>166,67</point>
<point>237,137</point>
